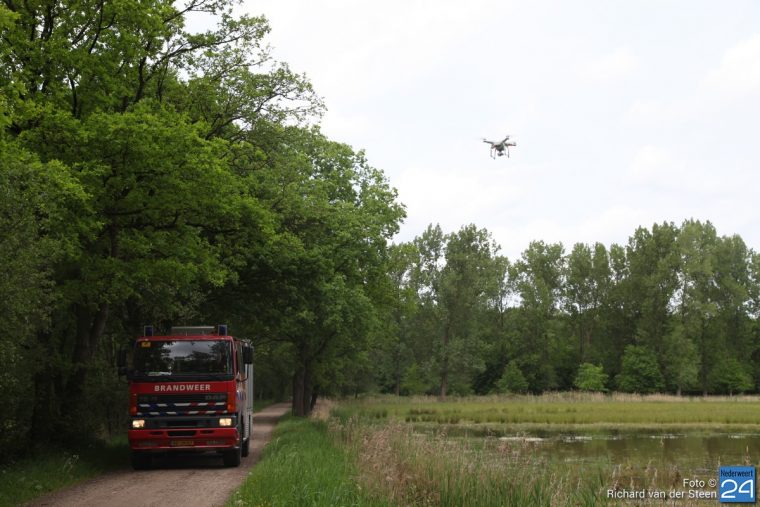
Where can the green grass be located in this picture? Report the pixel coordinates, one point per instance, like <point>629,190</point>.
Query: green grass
<point>567,411</point>
<point>302,466</point>
<point>44,471</point>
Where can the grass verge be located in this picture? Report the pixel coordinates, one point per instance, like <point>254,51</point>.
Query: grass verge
<point>302,466</point>
<point>47,470</point>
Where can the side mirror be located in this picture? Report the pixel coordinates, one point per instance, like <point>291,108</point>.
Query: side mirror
<point>248,354</point>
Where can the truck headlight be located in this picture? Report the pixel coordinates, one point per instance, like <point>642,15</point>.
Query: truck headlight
<point>225,421</point>
<point>138,424</point>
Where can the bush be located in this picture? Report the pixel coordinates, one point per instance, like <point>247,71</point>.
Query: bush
<point>512,380</point>
<point>640,372</point>
<point>729,376</point>
<point>591,378</point>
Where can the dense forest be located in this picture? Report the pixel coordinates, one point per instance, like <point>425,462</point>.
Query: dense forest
<point>154,175</point>
<point>675,309</point>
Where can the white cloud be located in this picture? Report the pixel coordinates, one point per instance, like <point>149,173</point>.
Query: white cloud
<point>619,64</point>
<point>454,197</point>
<point>650,164</point>
<point>739,71</point>
<point>657,169</point>
<point>645,112</point>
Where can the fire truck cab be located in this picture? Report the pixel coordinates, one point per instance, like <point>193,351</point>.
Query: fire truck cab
<point>190,390</point>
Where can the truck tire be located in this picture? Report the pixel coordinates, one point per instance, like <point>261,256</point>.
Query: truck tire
<point>232,457</point>
<point>141,460</point>
<point>246,447</point>
<point>247,443</point>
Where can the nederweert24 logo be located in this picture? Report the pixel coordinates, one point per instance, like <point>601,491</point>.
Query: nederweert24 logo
<point>736,484</point>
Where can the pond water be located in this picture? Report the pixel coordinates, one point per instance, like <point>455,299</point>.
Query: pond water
<point>695,450</point>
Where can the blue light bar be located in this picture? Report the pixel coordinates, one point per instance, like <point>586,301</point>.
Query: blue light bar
<point>222,329</point>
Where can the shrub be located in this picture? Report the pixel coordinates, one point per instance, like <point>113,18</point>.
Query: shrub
<point>591,378</point>
<point>512,380</point>
<point>640,372</point>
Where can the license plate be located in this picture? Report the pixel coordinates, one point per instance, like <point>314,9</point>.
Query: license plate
<point>181,443</point>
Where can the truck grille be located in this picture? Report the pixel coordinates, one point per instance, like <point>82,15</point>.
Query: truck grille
<point>181,404</point>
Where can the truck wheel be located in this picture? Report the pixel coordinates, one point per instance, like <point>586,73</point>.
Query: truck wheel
<point>141,460</point>
<point>233,456</point>
<point>246,447</point>
<point>247,443</point>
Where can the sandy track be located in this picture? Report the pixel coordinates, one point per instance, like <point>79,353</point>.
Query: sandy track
<point>186,481</point>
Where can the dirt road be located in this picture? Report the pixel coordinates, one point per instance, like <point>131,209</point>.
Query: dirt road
<point>186,481</point>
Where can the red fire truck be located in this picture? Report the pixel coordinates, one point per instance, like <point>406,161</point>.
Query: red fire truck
<point>190,390</point>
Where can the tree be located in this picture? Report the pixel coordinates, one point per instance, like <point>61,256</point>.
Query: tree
<point>652,258</point>
<point>512,380</point>
<point>695,297</point>
<point>395,350</point>
<point>538,281</point>
<point>640,372</point>
<point>729,376</point>
<point>681,362</point>
<point>313,291</point>
<point>591,378</point>
<point>454,275</point>
<point>42,209</point>
<point>586,287</point>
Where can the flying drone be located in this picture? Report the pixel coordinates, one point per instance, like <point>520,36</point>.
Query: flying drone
<point>500,148</point>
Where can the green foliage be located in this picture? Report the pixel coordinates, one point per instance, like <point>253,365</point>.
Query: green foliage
<point>640,372</point>
<point>680,360</point>
<point>39,208</point>
<point>512,380</point>
<point>157,175</point>
<point>591,377</point>
<point>730,376</point>
<point>415,381</point>
<point>454,279</point>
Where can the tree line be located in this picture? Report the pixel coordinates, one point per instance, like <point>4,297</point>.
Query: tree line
<point>675,309</point>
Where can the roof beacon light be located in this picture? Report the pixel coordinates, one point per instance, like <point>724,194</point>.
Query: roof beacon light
<point>148,331</point>
<point>222,329</point>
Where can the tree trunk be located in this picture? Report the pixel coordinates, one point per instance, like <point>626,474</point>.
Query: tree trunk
<point>314,396</point>
<point>90,328</point>
<point>445,362</point>
<point>303,389</point>
<point>298,392</point>
<point>308,389</point>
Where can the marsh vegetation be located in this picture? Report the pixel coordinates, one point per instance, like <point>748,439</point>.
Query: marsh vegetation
<point>556,449</point>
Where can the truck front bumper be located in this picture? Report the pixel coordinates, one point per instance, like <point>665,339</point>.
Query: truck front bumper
<point>181,439</point>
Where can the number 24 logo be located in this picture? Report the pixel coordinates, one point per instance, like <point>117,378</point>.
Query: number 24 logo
<point>745,488</point>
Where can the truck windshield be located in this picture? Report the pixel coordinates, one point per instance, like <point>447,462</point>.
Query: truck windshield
<point>179,358</point>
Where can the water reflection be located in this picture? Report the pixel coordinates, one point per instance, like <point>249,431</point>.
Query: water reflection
<point>695,450</point>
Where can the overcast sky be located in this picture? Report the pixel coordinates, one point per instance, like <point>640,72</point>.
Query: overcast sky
<point>625,113</point>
